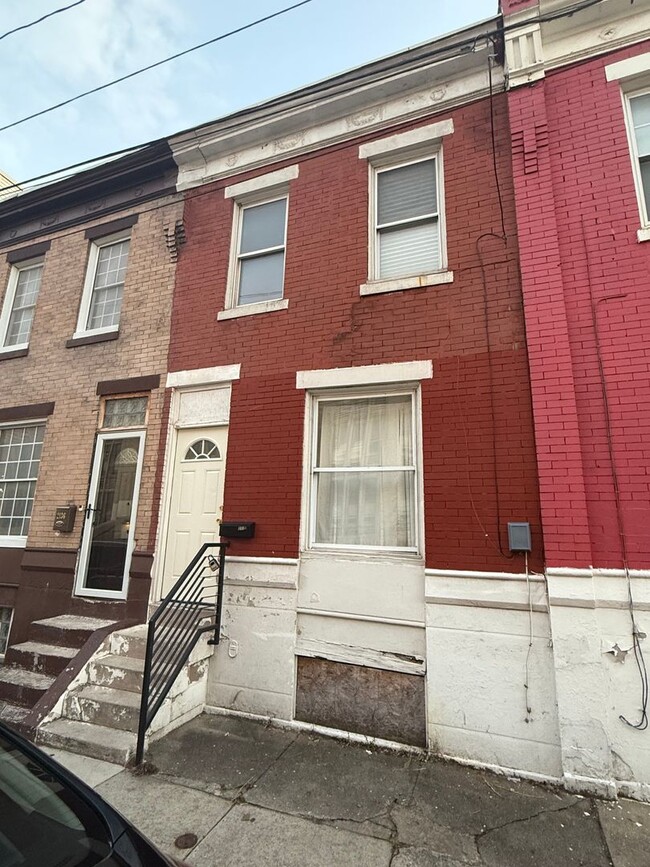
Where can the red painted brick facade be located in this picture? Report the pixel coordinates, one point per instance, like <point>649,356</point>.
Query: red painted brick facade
<point>581,263</point>
<point>479,453</point>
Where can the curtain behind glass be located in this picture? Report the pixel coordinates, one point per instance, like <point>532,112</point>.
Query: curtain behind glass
<point>367,507</point>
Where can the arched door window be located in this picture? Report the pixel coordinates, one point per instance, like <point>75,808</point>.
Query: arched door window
<point>202,450</point>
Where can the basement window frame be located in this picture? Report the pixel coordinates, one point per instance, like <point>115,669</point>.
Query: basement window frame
<point>4,642</point>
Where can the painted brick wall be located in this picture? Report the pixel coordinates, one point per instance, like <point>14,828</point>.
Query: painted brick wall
<point>578,215</point>
<point>69,376</point>
<point>473,479</point>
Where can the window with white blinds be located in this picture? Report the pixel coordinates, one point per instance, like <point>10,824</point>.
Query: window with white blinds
<point>407,220</point>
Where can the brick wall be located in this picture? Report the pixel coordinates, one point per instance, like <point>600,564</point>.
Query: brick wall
<point>578,215</point>
<point>69,376</point>
<point>476,474</point>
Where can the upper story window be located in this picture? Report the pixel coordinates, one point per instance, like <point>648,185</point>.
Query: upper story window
<point>260,252</point>
<point>20,456</point>
<point>259,241</point>
<point>407,244</point>
<point>19,305</point>
<point>407,220</point>
<point>104,286</point>
<point>639,126</point>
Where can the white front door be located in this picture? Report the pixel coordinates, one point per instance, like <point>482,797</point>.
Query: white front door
<point>196,497</point>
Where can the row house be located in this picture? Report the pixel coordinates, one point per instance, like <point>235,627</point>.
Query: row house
<point>579,105</point>
<point>386,336</point>
<point>87,281</point>
<point>348,352</point>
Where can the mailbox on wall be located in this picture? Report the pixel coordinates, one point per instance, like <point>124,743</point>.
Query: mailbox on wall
<point>237,529</point>
<point>64,518</point>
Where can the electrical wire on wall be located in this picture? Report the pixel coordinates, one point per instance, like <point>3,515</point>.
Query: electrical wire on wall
<point>637,634</point>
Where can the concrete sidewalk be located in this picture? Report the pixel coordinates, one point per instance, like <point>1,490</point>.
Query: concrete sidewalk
<point>233,792</point>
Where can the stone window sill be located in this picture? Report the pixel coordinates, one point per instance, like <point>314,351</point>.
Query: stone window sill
<point>89,339</point>
<point>419,281</point>
<point>13,353</point>
<point>643,234</point>
<point>254,309</point>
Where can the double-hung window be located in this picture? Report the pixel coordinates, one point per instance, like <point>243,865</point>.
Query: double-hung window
<point>363,473</point>
<point>260,251</point>
<point>19,305</point>
<point>407,220</point>
<point>20,456</point>
<point>259,242</point>
<point>104,286</point>
<point>638,106</point>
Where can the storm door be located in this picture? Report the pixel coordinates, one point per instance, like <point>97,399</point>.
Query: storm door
<point>109,524</point>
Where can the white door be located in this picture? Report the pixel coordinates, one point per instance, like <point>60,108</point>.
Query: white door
<point>196,497</point>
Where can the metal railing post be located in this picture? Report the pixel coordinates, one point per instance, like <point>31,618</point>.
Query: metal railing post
<point>144,701</point>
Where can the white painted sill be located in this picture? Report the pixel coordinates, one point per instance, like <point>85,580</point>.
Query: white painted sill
<point>254,309</point>
<point>643,234</point>
<point>378,287</point>
<point>13,541</point>
<point>95,332</point>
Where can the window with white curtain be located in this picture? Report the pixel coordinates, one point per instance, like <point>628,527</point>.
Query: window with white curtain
<point>364,472</point>
<point>407,220</point>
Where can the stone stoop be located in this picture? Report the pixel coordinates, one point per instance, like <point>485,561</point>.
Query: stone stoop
<point>30,668</point>
<point>98,716</point>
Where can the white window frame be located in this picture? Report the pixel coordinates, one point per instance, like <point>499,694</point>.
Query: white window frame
<point>21,541</point>
<point>261,190</point>
<point>401,149</point>
<point>628,96</point>
<point>314,399</point>
<point>96,245</point>
<point>10,298</point>
<point>11,622</point>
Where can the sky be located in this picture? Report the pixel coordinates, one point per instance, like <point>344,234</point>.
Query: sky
<point>100,40</point>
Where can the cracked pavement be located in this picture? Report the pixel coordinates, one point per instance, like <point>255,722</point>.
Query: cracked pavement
<point>251,793</point>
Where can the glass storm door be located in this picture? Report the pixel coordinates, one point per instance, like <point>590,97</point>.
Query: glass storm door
<point>109,524</point>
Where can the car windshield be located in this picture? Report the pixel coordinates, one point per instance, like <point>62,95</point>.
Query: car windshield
<point>43,823</point>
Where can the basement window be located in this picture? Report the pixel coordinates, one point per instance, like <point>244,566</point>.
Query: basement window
<point>5,628</point>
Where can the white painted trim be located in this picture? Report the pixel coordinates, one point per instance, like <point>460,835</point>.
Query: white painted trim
<point>261,582</point>
<point>372,374</point>
<point>378,287</point>
<point>459,573</point>
<point>279,561</point>
<point>263,182</point>
<point>13,542</point>
<point>336,734</point>
<point>10,297</point>
<point>385,660</point>
<point>96,245</point>
<point>254,309</point>
<point>203,376</point>
<point>628,68</point>
<point>575,572</point>
<point>401,142</point>
<point>642,235</point>
<point>365,618</point>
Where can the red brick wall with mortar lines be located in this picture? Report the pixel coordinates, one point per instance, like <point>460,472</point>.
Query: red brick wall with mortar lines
<point>329,325</point>
<point>577,217</point>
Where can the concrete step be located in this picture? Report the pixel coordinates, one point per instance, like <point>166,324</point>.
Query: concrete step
<point>22,687</point>
<point>101,705</point>
<point>39,657</point>
<point>98,742</point>
<point>117,672</point>
<point>66,630</point>
<point>130,642</point>
<point>12,714</point>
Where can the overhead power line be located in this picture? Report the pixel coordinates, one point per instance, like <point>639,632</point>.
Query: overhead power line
<point>156,64</point>
<point>42,18</point>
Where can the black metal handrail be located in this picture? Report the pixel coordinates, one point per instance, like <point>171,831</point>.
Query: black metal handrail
<point>191,608</point>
